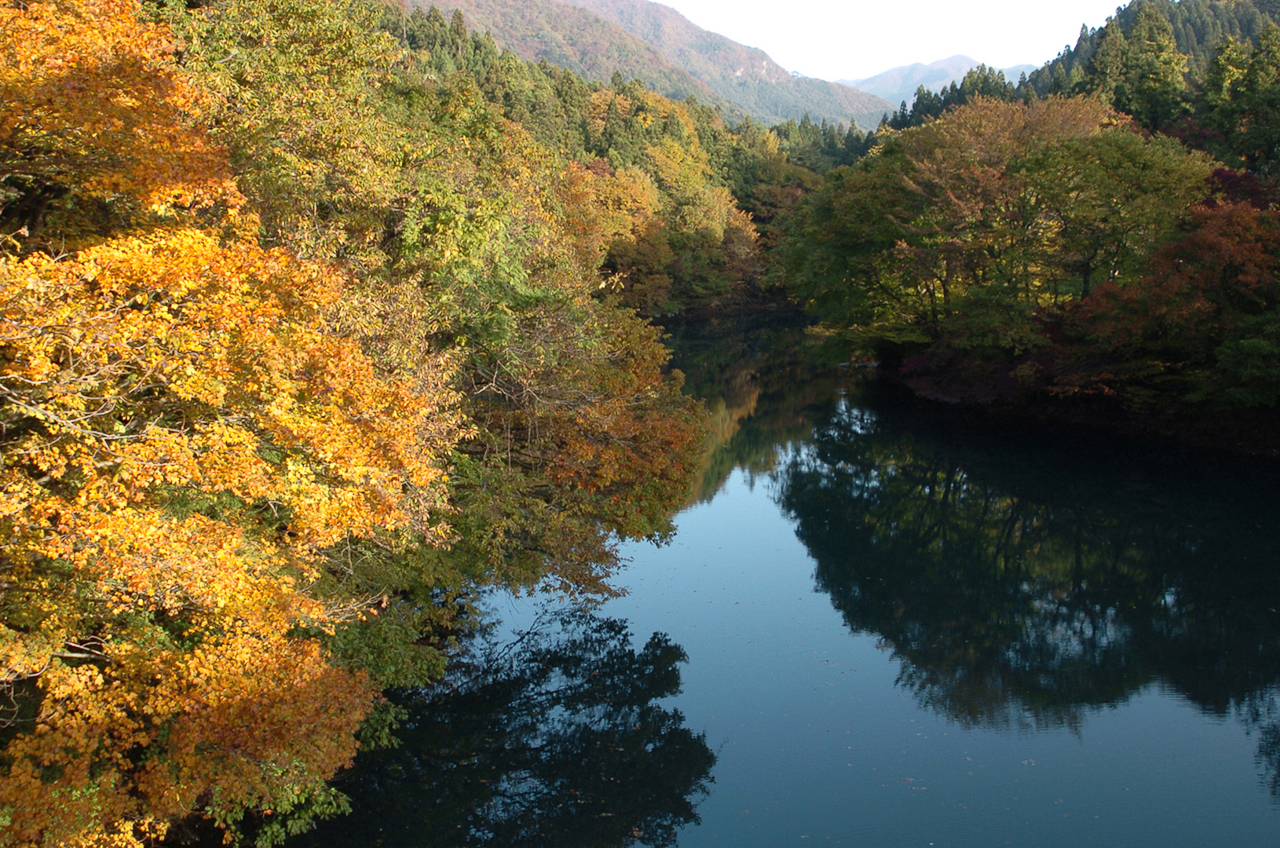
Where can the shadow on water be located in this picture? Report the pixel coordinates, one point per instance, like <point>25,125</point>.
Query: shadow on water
<point>554,739</point>
<point>765,380</point>
<point>1023,579</point>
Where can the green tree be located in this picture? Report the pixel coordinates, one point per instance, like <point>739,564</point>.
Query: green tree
<point>1140,72</point>
<point>1241,100</point>
<point>981,81</point>
<point>960,233</point>
<point>1111,199</point>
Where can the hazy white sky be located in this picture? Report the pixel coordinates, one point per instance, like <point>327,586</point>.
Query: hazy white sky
<point>850,39</point>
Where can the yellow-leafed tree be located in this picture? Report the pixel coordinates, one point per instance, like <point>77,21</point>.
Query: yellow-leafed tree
<point>184,440</point>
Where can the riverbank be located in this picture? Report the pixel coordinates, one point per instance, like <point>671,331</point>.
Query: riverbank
<point>1238,431</point>
<point>775,329</point>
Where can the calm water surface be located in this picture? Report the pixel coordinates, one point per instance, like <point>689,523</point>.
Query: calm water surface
<point>878,625</point>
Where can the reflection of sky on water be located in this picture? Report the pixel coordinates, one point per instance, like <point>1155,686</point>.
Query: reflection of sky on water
<point>818,743</point>
<point>904,629</point>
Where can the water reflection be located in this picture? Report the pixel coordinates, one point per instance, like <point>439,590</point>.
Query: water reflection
<point>765,379</point>
<point>555,739</point>
<point>1024,581</point>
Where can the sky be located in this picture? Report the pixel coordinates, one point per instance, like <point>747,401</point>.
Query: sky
<point>854,39</point>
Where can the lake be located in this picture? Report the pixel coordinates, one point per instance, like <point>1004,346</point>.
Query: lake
<point>880,623</point>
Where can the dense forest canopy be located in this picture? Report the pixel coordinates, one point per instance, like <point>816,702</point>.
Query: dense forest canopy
<point>303,346</point>
<point>1103,231</point>
<point>661,171</point>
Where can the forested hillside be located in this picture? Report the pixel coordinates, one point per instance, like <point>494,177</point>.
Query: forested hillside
<point>598,37</point>
<point>302,348</point>
<point>1112,248</point>
<point>743,76</point>
<point>578,41</point>
<point>1198,26</point>
<point>696,204</point>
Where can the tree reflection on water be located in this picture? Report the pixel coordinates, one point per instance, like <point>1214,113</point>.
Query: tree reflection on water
<point>1024,580</point>
<point>555,739</point>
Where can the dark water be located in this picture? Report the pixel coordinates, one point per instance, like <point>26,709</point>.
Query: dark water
<point>880,624</point>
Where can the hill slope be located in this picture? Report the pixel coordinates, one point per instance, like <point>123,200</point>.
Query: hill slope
<point>744,76</point>
<point>1199,27</point>
<point>576,40</point>
<point>658,45</point>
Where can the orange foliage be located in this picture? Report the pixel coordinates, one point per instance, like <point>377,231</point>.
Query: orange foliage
<point>92,106</point>
<point>608,209</point>
<point>182,440</point>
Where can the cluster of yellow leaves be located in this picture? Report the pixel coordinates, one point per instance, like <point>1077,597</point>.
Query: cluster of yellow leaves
<point>184,442</point>
<point>676,184</point>
<point>92,106</point>
<point>149,373</point>
<point>671,232</point>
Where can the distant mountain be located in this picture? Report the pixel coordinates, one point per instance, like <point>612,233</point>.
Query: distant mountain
<point>744,76</point>
<point>577,40</point>
<point>656,44</point>
<point>899,84</point>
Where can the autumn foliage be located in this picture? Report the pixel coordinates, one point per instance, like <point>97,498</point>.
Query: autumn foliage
<point>664,174</point>
<point>183,440</point>
<point>1200,328</point>
<point>1049,251</point>
<point>277,397</point>
<point>96,124</point>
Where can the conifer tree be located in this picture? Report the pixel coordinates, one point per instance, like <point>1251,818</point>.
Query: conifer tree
<point>1155,73</point>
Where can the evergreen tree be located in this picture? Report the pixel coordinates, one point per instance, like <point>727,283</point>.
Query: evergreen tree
<point>1243,102</point>
<point>1140,73</point>
<point>981,81</point>
<point>1155,74</point>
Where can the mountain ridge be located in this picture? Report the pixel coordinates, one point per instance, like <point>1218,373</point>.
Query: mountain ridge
<point>576,40</point>
<point>743,75</point>
<point>661,47</point>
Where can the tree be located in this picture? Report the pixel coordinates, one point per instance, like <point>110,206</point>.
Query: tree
<point>1200,326</point>
<point>940,227</point>
<point>186,445</point>
<point>96,125</point>
<point>1141,73</point>
<point>1155,72</point>
<point>185,442</point>
<point>1112,199</point>
<point>476,242</point>
<point>670,260</point>
<point>265,441</point>
<point>979,82</point>
<point>1240,101</point>
<point>959,243</point>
